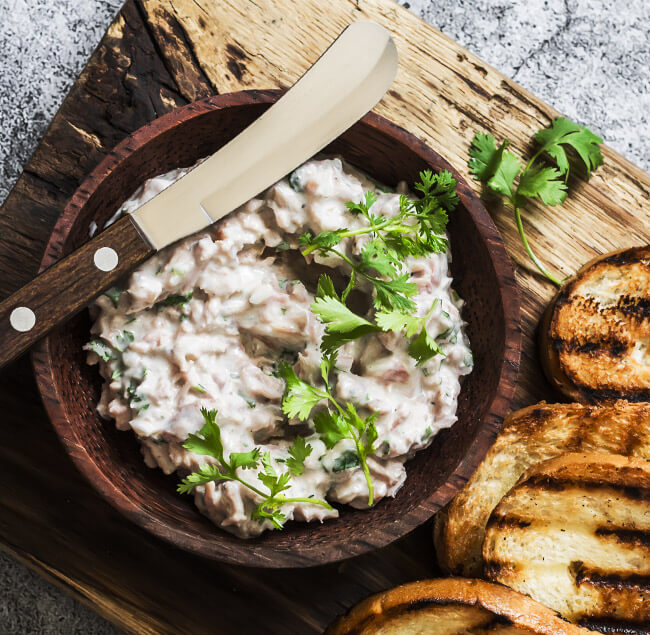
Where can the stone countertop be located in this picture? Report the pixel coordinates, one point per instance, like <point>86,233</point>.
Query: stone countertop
<point>588,58</point>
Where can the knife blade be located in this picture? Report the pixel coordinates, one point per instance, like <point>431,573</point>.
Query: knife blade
<point>349,78</point>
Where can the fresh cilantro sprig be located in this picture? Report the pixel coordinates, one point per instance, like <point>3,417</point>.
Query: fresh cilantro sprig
<point>498,170</point>
<point>336,422</point>
<point>418,229</point>
<point>208,443</point>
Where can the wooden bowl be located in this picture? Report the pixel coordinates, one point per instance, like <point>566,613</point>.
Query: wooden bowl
<point>111,460</point>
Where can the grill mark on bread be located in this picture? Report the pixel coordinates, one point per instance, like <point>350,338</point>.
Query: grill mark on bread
<point>619,581</point>
<point>614,626</point>
<point>534,421</point>
<point>635,307</point>
<point>637,537</point>
<point>634,255</point>
<point>560,484</point>
<point>610,344</point>
<point>607,393</point>
<point>508,521</point>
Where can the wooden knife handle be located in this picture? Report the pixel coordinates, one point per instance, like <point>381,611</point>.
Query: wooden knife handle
<point>67,286</point>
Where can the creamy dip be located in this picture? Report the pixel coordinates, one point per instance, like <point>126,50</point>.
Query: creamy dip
<point>205,322</point>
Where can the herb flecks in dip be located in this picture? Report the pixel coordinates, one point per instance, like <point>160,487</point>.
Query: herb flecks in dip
<point>211,322</point>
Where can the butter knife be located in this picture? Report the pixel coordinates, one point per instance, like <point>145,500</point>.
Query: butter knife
<point>349,78</point>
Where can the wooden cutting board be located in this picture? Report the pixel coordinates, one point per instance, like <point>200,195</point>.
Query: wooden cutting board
<point>160,54</point>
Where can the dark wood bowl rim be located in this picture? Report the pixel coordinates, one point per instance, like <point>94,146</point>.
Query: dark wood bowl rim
<point>421,512</point>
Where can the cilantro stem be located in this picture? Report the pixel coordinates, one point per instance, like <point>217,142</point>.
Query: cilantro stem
<point>530,163</point>
<point>529,251</point>
<point>355,268</point>
<point>252,488</point>
<point>366,473</point>
<point>370,229</point>
<point>313,501</point>
<point>361,452</point>
<point>280,500</point>
<point>359,271</point>
<point>431,310</point>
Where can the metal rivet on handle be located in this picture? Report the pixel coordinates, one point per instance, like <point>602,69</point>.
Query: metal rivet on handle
<point>22,318</point>
<point>106,259</point>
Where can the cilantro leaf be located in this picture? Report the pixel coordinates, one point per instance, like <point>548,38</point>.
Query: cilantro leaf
<point>395,293</point>
<point>544,183</point>
<point>331,427</point>
<point>564,132</point>
<point>298,452</point>
<point>370,198</point>
<point>485,157</point>
<point>327,364</point>
<point>397,322</point>
<point>341,324</point>
<point>332,341</point>
<point>265,512</point>
<point>245,460</point>
<point>424,347</point>
<point>370,433</point>
<point>337,316</point>
<point>269,477</point>
<point>209,442</point>
<point>439,188</point>
<point>205,474</point>
<point>326,287</point>
<point>299,397</point>
<point>324,240</point>
<point>349,287</point>
<point>378,256</point>
<point>502,181</point>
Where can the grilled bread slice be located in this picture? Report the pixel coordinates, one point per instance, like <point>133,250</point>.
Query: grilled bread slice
<point>574,534</point>
<point>528,436</point>
<point>452,606</point>
<point>595,335</point>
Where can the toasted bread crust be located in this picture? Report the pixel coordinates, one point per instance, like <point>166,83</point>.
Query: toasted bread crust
<point>530,435</point>
<point>501,607</point>
<point>588,350</point>
<point>574,533</point>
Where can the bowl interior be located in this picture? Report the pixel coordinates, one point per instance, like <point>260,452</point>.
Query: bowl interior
<point>112,459</point>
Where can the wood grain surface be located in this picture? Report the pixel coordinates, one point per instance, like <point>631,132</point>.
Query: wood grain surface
<point>160,54</point>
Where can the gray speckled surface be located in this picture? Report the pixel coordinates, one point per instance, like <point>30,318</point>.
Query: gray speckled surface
<point>589,58</point>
